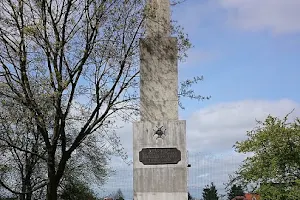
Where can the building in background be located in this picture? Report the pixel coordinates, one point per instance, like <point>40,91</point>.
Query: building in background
<point>239,198</point>
<point>248,196</point>
<point>252,196</point>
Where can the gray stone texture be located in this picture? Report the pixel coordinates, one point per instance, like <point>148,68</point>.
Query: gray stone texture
<point>159,107</point>
<point>158,18</point>
<point>161,196</point>
<point>161,180</point>
<point>159,79</point>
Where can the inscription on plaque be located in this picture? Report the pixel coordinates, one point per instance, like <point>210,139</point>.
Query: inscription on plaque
<point>159,156</point>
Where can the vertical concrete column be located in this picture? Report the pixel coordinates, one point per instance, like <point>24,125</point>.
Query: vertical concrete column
<point>159,79</point>
<point>159,139</point>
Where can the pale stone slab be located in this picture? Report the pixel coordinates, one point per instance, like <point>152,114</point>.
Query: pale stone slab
<point>159,58</point>
<point>158,18</point>
<point>152,110</point>
<point>160,181</point>
<point>157,179</point>
<point>159,79</point>
<point>158,52</point>
<point>161,196</point>
<point>175,133</point>
<point>160,90</point>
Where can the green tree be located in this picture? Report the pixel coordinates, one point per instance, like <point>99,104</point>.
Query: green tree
<point>235,190</point>
<point>190,196</point>
<point>274,168</point>
<point>119,195</point>
<point>210,192</point>
<point>75,189</point>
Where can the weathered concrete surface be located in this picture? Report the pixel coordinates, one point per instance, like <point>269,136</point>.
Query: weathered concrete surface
<point>159,107</point>
<point>162,196</point>
<point>159,79</point>
<point>162,182</point>
<point>158,18</point>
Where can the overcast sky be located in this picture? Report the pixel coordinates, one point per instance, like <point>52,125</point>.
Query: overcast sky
<point>248,53</point>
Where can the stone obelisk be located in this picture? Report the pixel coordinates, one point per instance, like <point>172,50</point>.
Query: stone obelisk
<point>159,139</point>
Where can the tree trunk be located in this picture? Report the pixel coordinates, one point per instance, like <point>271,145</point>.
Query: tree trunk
<point>27,180</point>
<point>26,190</point>
<point>52,190</point>
<point>22,196</point>
<point>54,176</point>
<point>53,183</point>
<point>28,195</point>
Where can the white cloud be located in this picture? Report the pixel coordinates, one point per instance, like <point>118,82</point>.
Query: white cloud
<point>278,16</point>
<point>217,128</point>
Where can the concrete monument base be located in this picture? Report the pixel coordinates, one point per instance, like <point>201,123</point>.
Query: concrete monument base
<point>162,196</point>
<point>160,181</point>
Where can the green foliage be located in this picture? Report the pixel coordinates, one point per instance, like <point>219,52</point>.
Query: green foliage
<point>274,169</point>
<point>190,196</point>
<point>77,190</point>
<point>279,191</point>
<point>210,192</point>
<point>119,195</point>
<point>235,190</point>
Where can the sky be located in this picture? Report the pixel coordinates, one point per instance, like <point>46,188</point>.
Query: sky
<point>248,53</point>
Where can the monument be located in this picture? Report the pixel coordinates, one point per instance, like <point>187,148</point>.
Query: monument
<point>159,139</point>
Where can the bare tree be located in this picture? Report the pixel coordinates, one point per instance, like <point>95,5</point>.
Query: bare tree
<point>73,66</point>
<point>24,167</point>
<point>22,154</point>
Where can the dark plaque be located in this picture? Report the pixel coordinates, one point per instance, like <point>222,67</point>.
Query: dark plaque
<point>159,156</point>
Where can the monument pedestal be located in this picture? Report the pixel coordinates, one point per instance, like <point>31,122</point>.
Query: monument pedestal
<point>154,179</point>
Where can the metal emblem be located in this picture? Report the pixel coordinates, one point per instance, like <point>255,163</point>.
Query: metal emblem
<point>160,132</point>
